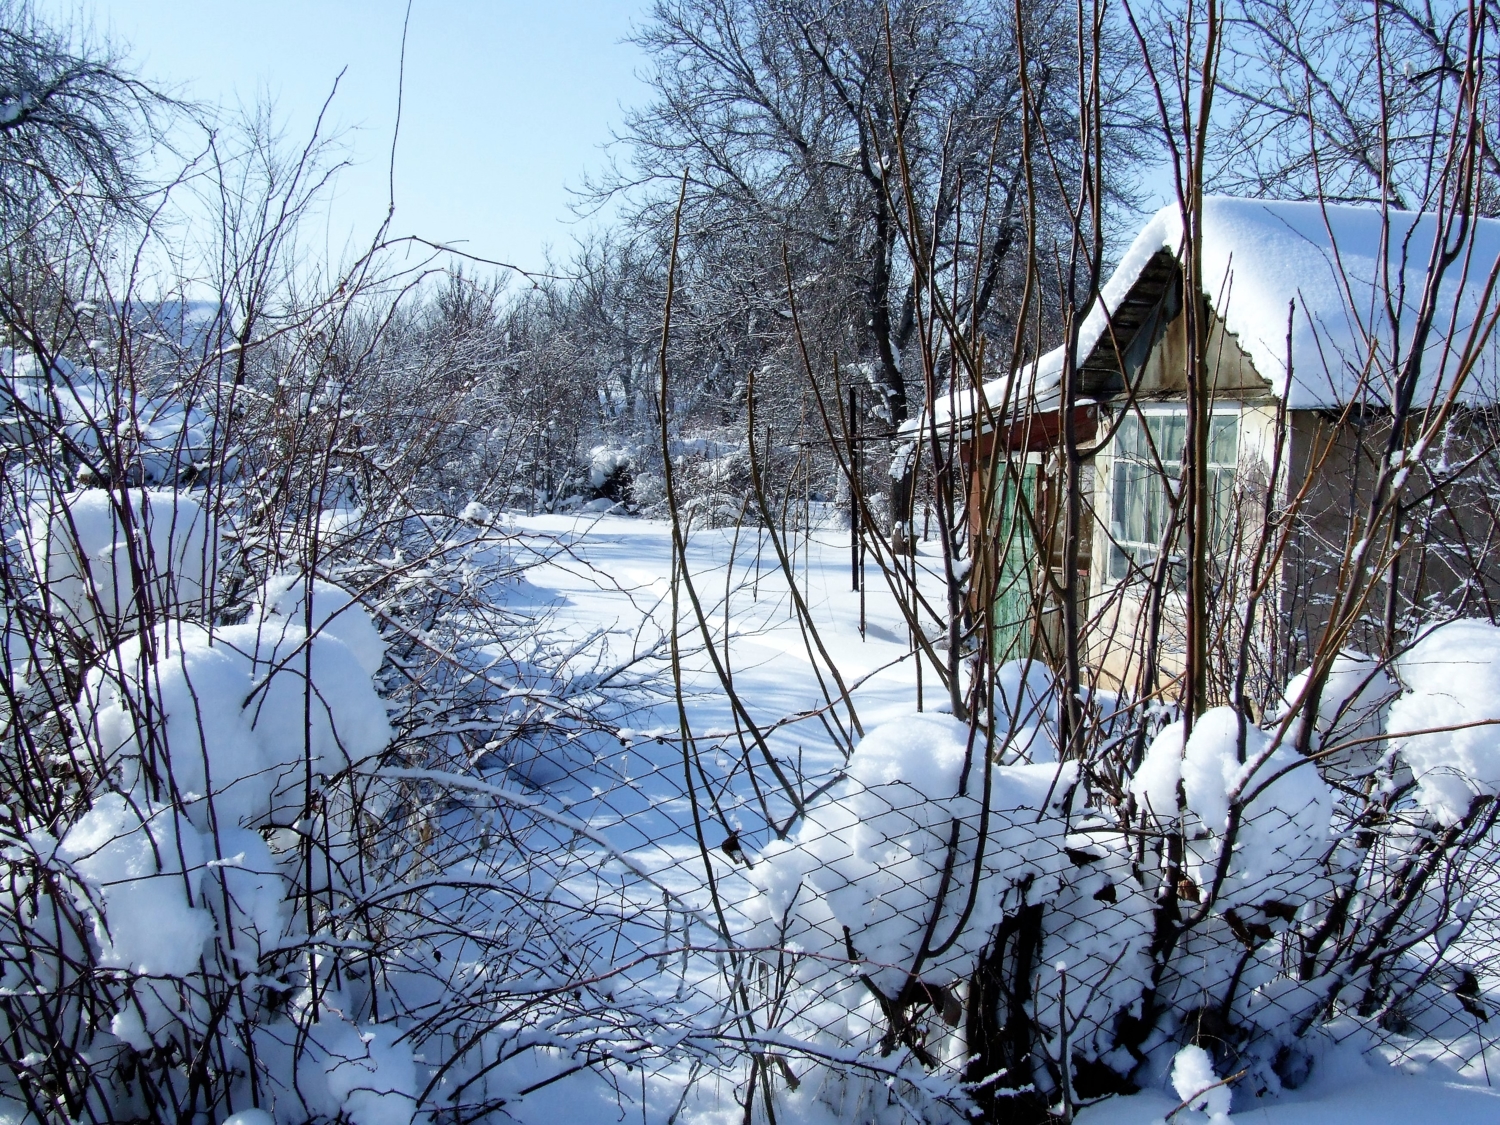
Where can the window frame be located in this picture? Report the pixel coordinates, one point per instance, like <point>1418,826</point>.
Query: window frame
<point>1126,561</point>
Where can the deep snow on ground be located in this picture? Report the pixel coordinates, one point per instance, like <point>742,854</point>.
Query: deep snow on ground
<point>607,580</point>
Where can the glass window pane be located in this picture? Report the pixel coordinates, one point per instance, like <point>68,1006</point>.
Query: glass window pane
<point>1170,432</point>
<point>1223,434</point>
<point>1128,437</point>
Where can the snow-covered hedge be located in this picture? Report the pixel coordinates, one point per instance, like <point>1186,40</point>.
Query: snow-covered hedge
<point>917,871</point>
<point>188,870</point>
<point>155,439</point>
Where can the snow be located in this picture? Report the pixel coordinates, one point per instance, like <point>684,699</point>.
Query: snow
<point>143,870</point>
<point>364,1072</point>
<point>605,462</point>
<point>1287,806</point>
<point>475,512</point>
<point>866,857</point>
<point>335,613</point>
<point>1351,713</point>
<point>80,545</point>
<point>1452,682</point>
<point>1026,696</point>
<point>205,740</point>
<point>156,439</point>
<point>256,891</point>
<point>873,845</point>
<point>1345,1089</point>
<point>369,1071</point>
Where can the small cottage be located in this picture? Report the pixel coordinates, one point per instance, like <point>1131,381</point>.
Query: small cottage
<point>1311,314</point>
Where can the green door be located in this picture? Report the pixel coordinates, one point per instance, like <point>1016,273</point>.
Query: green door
<point>1014,589</point>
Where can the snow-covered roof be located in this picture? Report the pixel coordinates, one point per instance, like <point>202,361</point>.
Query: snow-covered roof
<point>1261,257</point>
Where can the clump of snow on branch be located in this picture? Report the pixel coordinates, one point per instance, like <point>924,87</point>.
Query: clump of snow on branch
<point>144,873</point>
<point>1196,1084</point>
<point>1351,713</point>
<point>285,599</point>
<point>1230,767</point>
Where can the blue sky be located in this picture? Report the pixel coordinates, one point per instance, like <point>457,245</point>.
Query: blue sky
<point>506,104</point>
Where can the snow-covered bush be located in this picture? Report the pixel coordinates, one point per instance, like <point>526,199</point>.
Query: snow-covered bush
<point>111,559</point>
<point>144,876</point>
<point>116,434</point>
<point>1274,916</point>
<point>1281,810</point>
<point>235,716</point>
<point>1446,724</point>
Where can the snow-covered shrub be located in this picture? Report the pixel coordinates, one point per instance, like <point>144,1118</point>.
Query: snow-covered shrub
<point>882,879</point>
<point>118,435</point>
<point>109,557</point>
<point>205,743</point>
<point>869,865</point>
<point>610,471</point>
<point>237,713</point>
<point>1281,807</point>
<point>1446,725</point>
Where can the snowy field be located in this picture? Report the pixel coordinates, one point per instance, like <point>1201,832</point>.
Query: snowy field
<point>605,581</point>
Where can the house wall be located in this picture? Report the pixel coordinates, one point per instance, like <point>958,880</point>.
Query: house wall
<point>1120,615</point>
<point>1326,463</point>
<point>1450,562</point>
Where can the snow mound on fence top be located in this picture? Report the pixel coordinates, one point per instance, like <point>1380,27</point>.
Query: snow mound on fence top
<point>1285,806</point>
<point>86,547</point>
<point>1452,680</point>
<point>870,856</point>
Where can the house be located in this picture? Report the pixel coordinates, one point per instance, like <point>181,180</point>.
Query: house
<point>1311,311</point>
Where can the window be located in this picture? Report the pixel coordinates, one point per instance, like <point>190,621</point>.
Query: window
<point>1141,497</point>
